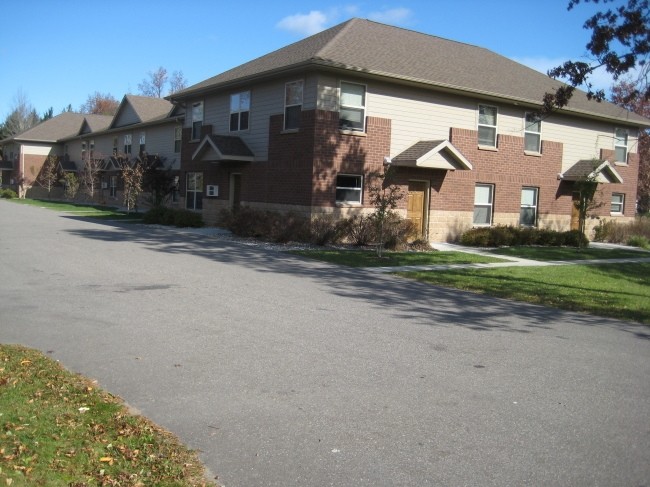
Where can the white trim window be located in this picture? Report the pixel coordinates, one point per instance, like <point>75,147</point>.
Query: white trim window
<point>240,105</point>
<point>533,133</point>
<point>620,145</point>
<point>487,125</point>
<point>293,95</point>
<point>127,143</point>
<point>352,110</point>
<point>115,145</point>
<point>178,137</point>
<point>528,211</point>
<point>92,148</point>
<point>197,120</point>
<point>112,185</point>
<point>194,191</point>
<point>143,142</point>
<point>349,188</point>
<point>483,203</point>
<point>83,151</point>
<point>618,203</point>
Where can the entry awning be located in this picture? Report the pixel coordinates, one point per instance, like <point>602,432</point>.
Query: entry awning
<point>598,171</point>
<point>67,165</point>
<point>433,154</point>
<point>216,148</point>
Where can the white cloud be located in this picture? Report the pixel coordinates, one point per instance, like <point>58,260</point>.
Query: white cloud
<point>304,24</point>
<point>393,16</point>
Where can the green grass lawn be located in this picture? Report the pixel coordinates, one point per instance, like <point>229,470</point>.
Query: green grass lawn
<point>368,258</point>
<point>568,253</point>
<point>80,209</point>
<point>614,290</point>
<point>57,428</point>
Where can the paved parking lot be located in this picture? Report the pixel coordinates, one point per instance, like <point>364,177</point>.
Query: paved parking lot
<point>287,372</point>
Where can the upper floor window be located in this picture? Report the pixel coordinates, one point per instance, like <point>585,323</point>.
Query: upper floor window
<point>197,120</point>
<point>240,104</point>
<point>92,148</point>
<point>618,202</point>
<point>533,133</point>
<point>115,146</point>
<point>178,136</point>
<point>620,145</point>
<point>83,151</point>
<point>487,125</point>
<point>292,104</point>
<point>142,142</point>
<point>127,143</point>
<point>483,201</point>
<point>352,112</point>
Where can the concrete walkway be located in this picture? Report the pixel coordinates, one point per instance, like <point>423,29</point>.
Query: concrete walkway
<point>644,256</point>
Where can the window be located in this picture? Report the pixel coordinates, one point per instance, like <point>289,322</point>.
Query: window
<point>127,143</point>
<point>115,146</point>
<point>113,186</point>
<point>487,125</point>
<point>483,198</point>
<point>292,104</point>
<point>528,212</point>
<point>178,136</point>
<point>194,192</point>
<point>197,120</point>
<point>83,151</point>
<point>92,148</point>
<point>143,138</point>
<point>352,113</point>
<point>618,203</point>
<point>620,145</point>
<point>348,188</point>
<point>533,133</point>
<point>240,104</point>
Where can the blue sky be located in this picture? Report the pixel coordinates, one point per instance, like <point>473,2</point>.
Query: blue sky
<point>57,53</point>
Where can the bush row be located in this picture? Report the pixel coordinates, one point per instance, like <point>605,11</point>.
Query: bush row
<point>8,193</point>
<point>503,236</point>
<point>169,216</point>
<point>635,233</point>
<point>279,227</point>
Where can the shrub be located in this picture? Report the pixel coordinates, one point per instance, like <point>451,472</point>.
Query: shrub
<point>8,193</point>
<point>358,230</point>
<point>614,232</point>
<point>324,230</point>
<point>639,241</point>
<point>169,216</point>
<point>500,236</point>
<point>266,225</point>
<point>397,231</point>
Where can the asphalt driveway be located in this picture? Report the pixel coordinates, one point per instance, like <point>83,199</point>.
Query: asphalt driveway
<point>287,372</point>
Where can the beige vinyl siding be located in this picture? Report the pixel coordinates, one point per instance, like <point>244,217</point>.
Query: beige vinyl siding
<point>40,150</point>
<point>160,142</point>
<point>127,116</point>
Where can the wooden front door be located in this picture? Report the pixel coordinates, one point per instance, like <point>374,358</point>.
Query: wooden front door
<point>575,213</point>
<point>416,206</point>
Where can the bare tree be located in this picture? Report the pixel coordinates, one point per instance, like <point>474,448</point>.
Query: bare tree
<point>89,177</point>
<point>71,185</point>
<point>132,175</point>
<point>48,175</point>
<point>385,197</point>
<point>22,117</point>
<point>177,82</point>
<point>100,104</point>
<point>154,85</point>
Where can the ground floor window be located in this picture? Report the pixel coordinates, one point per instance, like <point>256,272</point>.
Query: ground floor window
<point>618,202</point>
<point>348,188</point>
<point>528,212</point>
<point>483,201</point>
<point>113,186</point>
<point>194,191</point>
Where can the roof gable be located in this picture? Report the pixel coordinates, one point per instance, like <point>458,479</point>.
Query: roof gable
<point>215,148</point>
<point>598,171</point>
<point>140,109</point>
<point>433,154</point>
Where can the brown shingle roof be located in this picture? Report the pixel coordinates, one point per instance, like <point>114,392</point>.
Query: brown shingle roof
<point>63,125</point>
<point>148,108</point>
<point>381,50</point>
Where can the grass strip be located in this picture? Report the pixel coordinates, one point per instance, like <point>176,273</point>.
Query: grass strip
<point>612,290</point>
<point>81,209</point>
<point>58,428</point>
<point>368,258</point>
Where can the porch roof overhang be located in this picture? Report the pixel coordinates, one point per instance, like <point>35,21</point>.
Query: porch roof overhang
<point>67,166</point>
<point>217,148</point>
<point>599,172</point>
<point>433,154</point>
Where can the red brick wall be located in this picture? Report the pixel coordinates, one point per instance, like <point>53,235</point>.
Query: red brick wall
<point>630,174</point>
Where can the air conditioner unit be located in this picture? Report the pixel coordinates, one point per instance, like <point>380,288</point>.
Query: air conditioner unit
<point>212,190</point>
